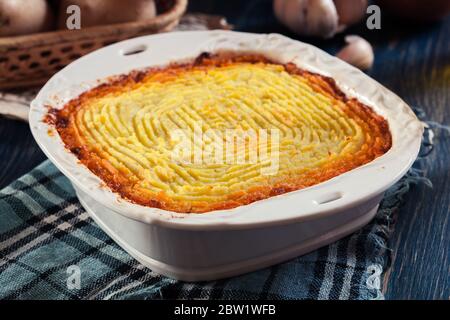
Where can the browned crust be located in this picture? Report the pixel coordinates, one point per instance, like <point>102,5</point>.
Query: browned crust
<point>63,120</point>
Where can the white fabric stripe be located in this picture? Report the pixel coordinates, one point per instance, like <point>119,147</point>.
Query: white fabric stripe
<point>26,247</point>
<point>40,239</point>
<point>24,233</point>
<point>99,292</point>
<point>326,286</point>
<point>111,250</point>
<point>31,229</point>
<point>28,202</point>
<point>346,292</point>
<point>351,262</point>
<point>81,235</point>
<point>32,205</point>
<point>130,286</point>
<point>9,190</point>
<point>48,195</point>
<point>29,181</point>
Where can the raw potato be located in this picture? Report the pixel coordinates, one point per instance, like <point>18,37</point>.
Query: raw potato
<point>19,17</point>
<point>102,12</point>
<point>350,11</point>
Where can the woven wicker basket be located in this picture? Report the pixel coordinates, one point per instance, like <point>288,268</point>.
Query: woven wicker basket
<point>32,59</point>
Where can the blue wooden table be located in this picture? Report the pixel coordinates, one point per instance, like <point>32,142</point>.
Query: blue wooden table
<point>414,62</point>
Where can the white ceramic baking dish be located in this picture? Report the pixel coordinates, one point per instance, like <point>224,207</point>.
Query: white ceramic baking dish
<point>224,243</point>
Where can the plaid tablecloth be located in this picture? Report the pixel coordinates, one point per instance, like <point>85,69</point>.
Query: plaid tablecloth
<point>45,236</point>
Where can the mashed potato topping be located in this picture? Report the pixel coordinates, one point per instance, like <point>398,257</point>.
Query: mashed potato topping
<point>220,132</point>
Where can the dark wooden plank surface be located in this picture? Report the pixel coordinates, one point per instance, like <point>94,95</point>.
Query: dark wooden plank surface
<point>414,62</point>
<point>419,71</point>
<point>18,151</point>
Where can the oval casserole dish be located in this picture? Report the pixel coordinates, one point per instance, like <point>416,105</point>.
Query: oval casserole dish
<point>252,236</point>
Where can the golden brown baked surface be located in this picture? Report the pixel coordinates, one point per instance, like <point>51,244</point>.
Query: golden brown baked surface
<point>219,132</point>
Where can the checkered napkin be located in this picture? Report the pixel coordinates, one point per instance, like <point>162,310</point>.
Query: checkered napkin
<point>45,235</point>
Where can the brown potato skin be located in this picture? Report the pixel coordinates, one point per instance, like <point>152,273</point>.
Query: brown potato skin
<point>23,17</point>
<point>104,12</point>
